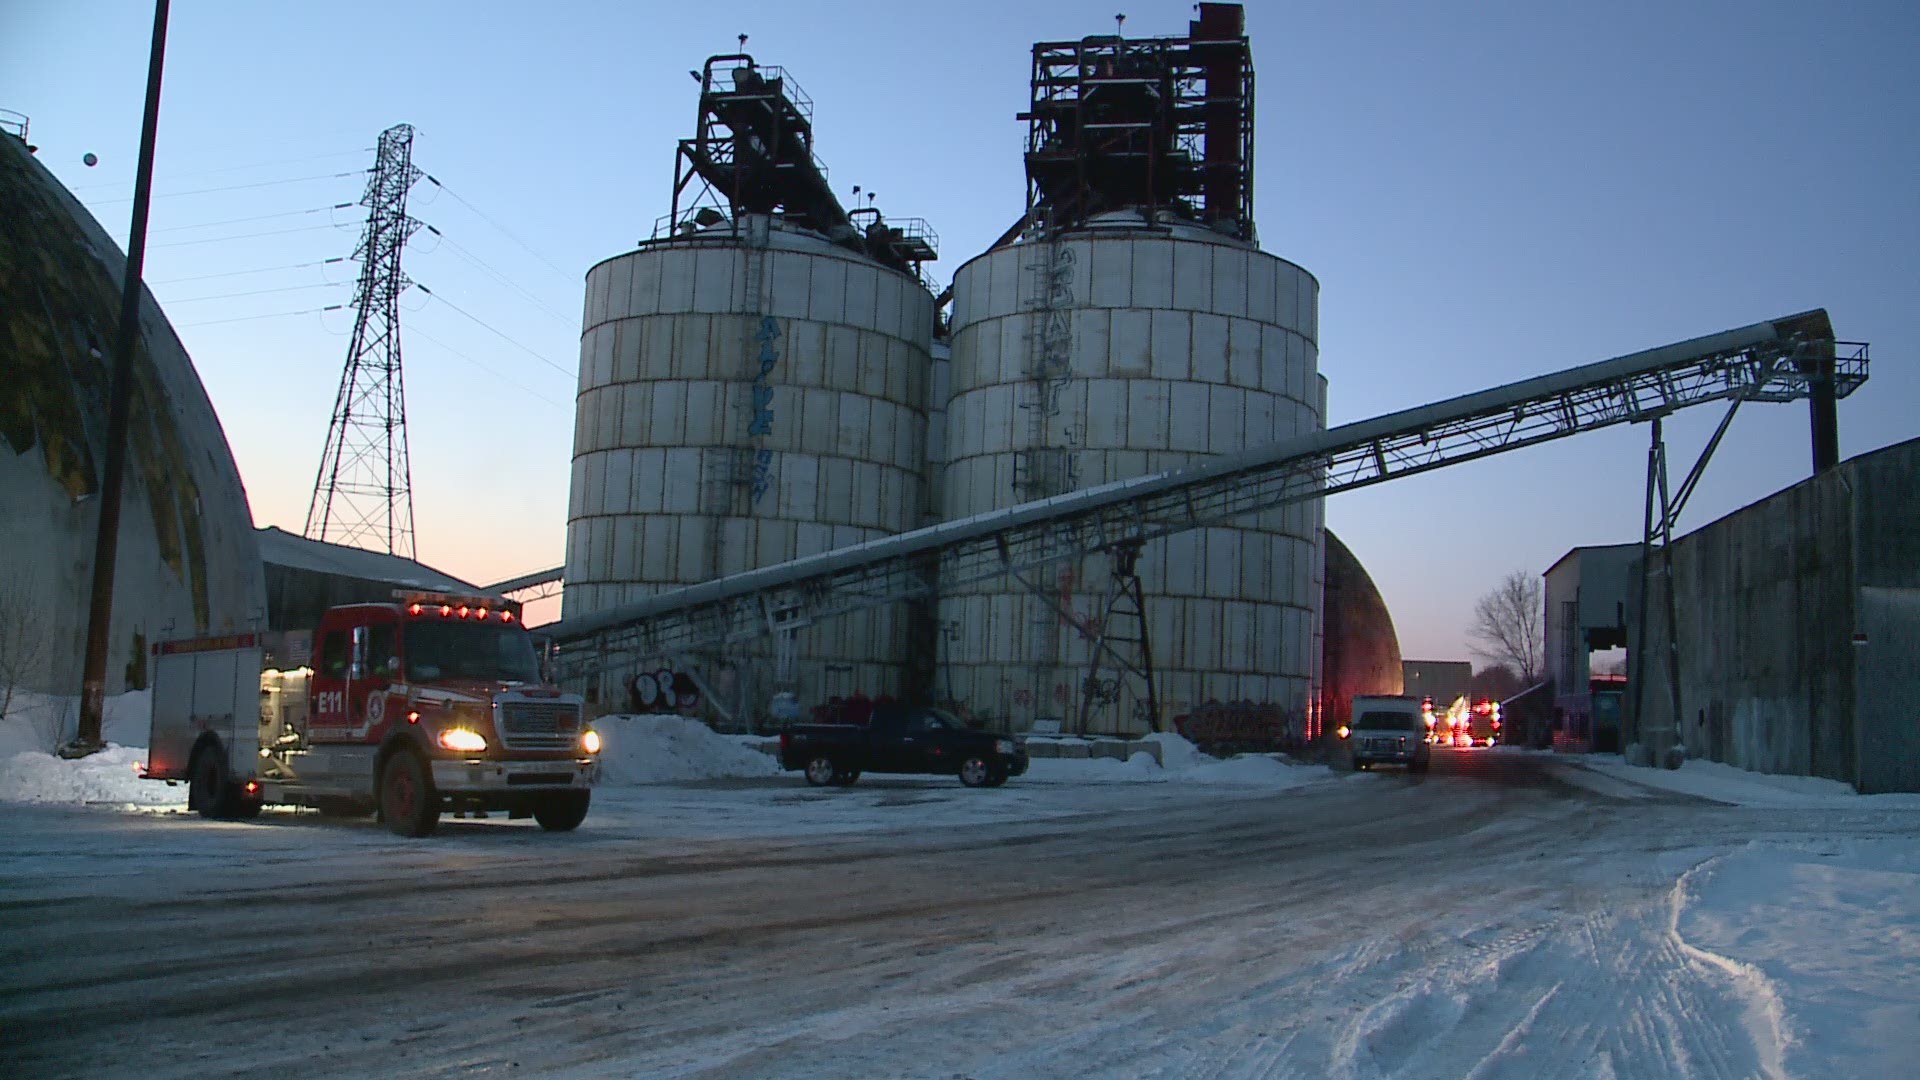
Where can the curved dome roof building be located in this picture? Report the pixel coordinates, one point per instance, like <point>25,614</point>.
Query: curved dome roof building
<point>188,562</point>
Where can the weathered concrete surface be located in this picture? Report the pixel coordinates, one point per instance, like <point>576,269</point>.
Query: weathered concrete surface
<point>1772,600</point>
<point>1362,651</point>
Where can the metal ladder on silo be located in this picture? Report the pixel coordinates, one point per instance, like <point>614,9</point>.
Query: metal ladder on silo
<point>1776,361</point>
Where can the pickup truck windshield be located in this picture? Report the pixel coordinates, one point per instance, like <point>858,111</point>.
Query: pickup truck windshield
<point>475,651</point>
<point>1389,721</point>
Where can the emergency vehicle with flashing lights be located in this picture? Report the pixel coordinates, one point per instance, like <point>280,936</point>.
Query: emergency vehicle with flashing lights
<point>429,704</point>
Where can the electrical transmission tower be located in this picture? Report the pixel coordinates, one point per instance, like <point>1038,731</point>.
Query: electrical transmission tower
<point>363,495</point>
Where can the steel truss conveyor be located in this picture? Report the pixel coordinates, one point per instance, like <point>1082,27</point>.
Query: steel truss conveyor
<point>1782,360</point>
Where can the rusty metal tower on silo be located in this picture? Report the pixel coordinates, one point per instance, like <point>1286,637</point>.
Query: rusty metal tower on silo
<point>363,493</point>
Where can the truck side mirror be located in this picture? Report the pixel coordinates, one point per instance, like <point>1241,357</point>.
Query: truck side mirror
<point>357,666</point>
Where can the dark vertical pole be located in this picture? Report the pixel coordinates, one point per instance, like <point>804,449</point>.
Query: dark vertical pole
<point>1636,656</point>
<point>93,685</point>
<point>1824,414</point>
<point>1673,614</point>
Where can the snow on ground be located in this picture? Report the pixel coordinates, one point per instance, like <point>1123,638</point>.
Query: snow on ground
<point>1824,939</point>
<point>43,721</point>
<point>1738,787</point>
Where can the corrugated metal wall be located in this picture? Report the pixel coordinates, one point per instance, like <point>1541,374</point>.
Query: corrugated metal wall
<point>1179,345</point>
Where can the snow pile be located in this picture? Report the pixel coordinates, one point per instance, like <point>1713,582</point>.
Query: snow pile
<point>1738,787</point>
<point>1825,939</point>
<point>665,749</point>
<point>110,776</point>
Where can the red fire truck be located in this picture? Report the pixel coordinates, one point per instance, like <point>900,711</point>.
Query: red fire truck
<point>428,704</point>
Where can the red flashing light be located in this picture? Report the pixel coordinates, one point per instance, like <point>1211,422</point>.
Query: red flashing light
<point>506,616</point>
<point>414,609</point>
<point>463,611</point>
<point>253,787</point>
<point>446,609</point>
<point>481,614</point>
<point>413,718</point>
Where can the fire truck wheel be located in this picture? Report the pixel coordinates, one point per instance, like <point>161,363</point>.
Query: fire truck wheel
<point>563,812</point>
<point>207,787</point>
<point>407,799</point>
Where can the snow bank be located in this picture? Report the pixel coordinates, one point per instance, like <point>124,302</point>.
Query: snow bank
<point>111,776</point>
<point>1826,937</point>
<point>665,749</point>
<point>1724,783</point>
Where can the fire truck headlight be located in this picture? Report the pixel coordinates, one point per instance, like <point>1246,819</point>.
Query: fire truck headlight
<point>1343,731</point>
<point>463,740</point>
<point>590,742</point>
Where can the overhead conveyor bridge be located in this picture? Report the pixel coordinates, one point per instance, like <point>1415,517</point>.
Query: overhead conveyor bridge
<point>1782,360</point>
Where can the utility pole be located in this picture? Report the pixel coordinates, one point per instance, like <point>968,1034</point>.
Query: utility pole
<point>106,545</point>
<point>363,493</point>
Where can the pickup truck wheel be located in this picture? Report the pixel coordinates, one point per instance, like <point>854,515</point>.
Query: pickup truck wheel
<point>998,777</point>
<point>976,772</point>
<point>407,799</point>
<point>562,812</point>
<point>822,771</point>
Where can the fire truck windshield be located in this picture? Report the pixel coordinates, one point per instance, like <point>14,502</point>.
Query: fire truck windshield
<point>463,650</point>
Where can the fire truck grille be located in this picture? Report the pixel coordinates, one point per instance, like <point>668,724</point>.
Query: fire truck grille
<point>534,725</point>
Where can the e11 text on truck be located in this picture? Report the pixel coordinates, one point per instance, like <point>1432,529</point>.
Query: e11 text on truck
<point>429,704</point>
<point>901,739</point>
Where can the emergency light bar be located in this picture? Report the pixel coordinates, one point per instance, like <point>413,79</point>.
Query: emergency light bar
<point>455,606</point>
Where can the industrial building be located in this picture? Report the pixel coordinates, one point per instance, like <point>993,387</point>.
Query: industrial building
<point>188,562</point>
<point>1799,632</point>
<point>1587,593</point>
<point>768,377</point>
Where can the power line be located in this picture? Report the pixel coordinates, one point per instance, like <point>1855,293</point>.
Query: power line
<point>247,236</point>
<point>256,270</point>
<point>240,187</point>
<point>503,229</point>
<point>495,331</point>
<point>259,292</point>
<point>256,217</point>
<point>231,168</point>
<point>414,331</point>
<point>474,259</point>
<point>268,315</point>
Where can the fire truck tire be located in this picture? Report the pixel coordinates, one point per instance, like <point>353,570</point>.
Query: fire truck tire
<point>563,812</point>
<point>207,788</point>
<point>407,800</point>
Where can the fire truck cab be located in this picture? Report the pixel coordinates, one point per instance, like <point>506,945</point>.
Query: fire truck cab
<point>409,709</point>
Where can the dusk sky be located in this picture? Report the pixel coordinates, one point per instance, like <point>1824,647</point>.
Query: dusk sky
<point>1486,193</point>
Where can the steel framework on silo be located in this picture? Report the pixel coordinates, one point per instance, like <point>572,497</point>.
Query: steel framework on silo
<point>363,493</point>
<point>1151,123</point>
<point>1780,360</point>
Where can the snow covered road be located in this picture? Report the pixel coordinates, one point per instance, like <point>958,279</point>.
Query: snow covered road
<point>1490,919</point>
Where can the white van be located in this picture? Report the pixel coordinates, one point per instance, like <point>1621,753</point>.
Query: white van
<point>1387,731</point>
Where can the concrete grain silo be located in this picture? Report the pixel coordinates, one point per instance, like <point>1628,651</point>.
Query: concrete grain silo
<point>1129,326</point>
<point>753,388</point>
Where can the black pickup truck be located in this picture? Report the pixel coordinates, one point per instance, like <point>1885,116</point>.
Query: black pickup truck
<point>901,739</point>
